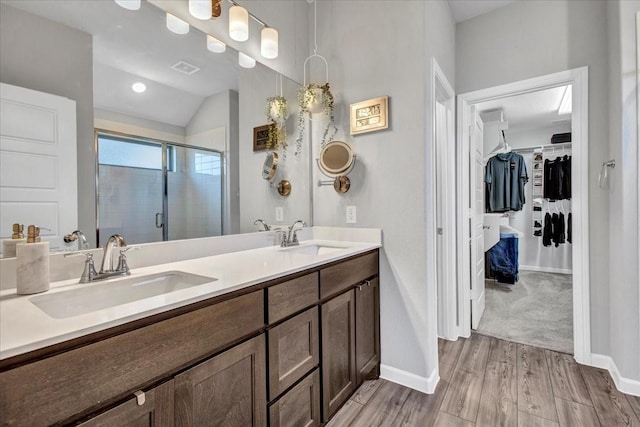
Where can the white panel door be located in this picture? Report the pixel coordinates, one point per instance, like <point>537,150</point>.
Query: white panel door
<point>38,163</point>
<point>477,187</point>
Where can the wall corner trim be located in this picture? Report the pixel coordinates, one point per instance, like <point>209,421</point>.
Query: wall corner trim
<point>625,385</point>
<point>407,379</point>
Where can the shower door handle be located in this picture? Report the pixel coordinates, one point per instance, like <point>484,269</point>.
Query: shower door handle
<point>159,220</point>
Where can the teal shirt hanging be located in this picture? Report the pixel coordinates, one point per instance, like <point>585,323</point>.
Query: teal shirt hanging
<point>506,175</point>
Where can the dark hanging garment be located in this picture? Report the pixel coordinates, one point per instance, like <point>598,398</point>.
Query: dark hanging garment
<point>547,232</point>
<point>557,178</point>
<point>565,186</point>
<point>569,236</point>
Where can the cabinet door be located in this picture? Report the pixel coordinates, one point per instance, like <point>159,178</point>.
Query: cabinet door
<point>338,352</point>
<point>227,390</point>
<point>300,406</point>
<point>156,411</point>
<point>293,350</point>
<point>367,330</point>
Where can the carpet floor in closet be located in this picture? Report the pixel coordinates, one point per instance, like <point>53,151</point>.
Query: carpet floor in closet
<point>537,311</point>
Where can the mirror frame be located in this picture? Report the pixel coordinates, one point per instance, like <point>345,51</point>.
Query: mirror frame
<point>345,169</point>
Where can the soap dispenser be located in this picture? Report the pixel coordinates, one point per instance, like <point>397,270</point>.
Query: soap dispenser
<point>9,245</point>
<point>32,261</point>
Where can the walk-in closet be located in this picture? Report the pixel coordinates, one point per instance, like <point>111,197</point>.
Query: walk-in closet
<point>528,230</point>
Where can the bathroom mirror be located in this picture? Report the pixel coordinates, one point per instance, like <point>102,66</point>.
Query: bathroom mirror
<point>270,166</point>
<point>183,79</point>
<point>336,159</point>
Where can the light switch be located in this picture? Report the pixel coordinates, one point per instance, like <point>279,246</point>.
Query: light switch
<point>351,214</point>
<point>279,214</point>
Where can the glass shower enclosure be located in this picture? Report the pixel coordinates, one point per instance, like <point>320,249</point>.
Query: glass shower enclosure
<point>151,191</point>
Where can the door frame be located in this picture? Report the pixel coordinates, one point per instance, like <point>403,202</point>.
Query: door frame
<point>444,179</point>
<point>579,79</point>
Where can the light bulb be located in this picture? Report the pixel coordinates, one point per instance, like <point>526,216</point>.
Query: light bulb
<point>215,45</point>
<point>129,4</point>
<point>238,23</point>
<point>139,87</point>
<point>176,25</point>
<point>269,43</point>
<point>246,61</point>
<point>200,9</point>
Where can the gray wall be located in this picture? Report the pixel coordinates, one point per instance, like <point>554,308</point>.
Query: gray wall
<point>387,50</point>
<point>623,190</point>
<point>39,54</point>
<point>532,38</point>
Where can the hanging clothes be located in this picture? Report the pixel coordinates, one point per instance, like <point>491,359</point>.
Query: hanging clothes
<point>557,223</point>
<point>569,232</point>
<point>557,178</point>
<point>505,177</point>
<point>547,233</point>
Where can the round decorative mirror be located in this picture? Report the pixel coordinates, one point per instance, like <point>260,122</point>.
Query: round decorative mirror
<point>270,166</point>
<point>336,159</point>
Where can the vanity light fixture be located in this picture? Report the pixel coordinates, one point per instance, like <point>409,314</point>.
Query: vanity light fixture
<point>246,61</point>
<point>177,25</point>
<point>138,87</point>
<point>215,45</point>
<point>201,9</point>
<point>238,23</point>
<point>129,4</point>
<point>269,43</point>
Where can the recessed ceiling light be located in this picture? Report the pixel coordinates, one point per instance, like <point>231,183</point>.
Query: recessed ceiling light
<point>138,87</point>
<point>177,25</point>
<point>129,4</point>
<point>246,61</point>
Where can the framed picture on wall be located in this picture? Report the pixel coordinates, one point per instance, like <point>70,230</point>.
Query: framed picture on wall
<point>369,115</point>
<point>261,137</point>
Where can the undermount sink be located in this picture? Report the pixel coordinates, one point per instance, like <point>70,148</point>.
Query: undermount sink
<point>101,295</point>
<point>314,249</point>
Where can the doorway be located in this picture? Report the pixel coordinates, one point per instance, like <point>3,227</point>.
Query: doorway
<point>152,191</point>
<point>469,284</point>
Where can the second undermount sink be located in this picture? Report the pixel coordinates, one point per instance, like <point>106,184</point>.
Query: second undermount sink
<point>313,249</point>
<point>101,295</point>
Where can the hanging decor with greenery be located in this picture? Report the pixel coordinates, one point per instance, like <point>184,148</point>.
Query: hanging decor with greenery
<point>277,114</point>
<point>315,98</point>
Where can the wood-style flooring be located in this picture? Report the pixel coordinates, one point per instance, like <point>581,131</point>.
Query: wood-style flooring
<point>485,381</point>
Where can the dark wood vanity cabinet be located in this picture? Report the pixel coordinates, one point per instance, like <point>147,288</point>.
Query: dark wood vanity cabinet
<point>227,390</point>
<point>338,352</point>
<point>367,330</point>
<point>283,353</point>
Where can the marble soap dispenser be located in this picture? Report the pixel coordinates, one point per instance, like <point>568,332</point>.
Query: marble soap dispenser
<point>32,261</point>
<point>9,245</point>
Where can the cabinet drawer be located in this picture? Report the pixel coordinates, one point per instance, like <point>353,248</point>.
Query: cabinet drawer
<point>293,350</point>
<point>157,410</point>
<point>292,296</point>
<point>87,378</point>
<point>300,406</point>
<point>339,277</point>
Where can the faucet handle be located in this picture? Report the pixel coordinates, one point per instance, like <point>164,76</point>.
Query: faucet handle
<point>283,237</point>
<point>129,248</point>
<point>89,272</point>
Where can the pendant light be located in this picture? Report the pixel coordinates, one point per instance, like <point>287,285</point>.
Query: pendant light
<point>200,9</point>
<point>215,45</point>
<point>245,61</point>
<point>176,25</point>
<point>269,43</point>
<point>238,23</point>
<point>129,4</point>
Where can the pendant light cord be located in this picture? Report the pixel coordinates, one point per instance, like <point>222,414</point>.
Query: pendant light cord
<point>315,27</point>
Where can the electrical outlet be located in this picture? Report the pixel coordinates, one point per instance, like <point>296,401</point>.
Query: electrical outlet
<point>351,214</point>
<point>279,214</point>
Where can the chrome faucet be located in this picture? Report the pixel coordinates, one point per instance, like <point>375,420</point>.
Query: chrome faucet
<point>291,238</point>
<point>115,240</point>
<point>80,237</point>
<point>262,223</point>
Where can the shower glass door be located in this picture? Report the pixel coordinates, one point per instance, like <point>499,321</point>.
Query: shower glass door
<point>194,193</point>
<point>150,191</point>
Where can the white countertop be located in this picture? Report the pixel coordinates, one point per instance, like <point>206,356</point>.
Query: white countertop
<point>24,327</point>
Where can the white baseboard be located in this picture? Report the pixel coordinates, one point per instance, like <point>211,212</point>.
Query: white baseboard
<point>407,379</point>
<point>623,384</point>
<point>545,269</point>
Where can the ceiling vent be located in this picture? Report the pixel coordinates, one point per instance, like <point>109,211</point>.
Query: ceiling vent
<point>185,67</point>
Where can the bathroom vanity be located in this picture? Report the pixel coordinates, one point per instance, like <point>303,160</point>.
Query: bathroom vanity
<point>281,344</point>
